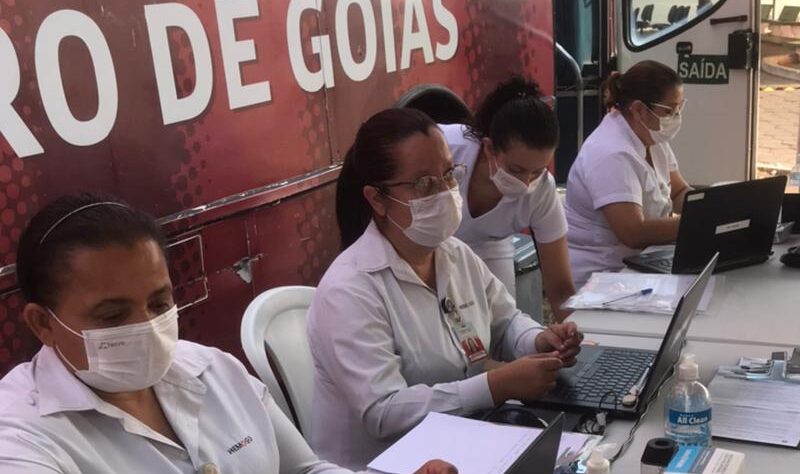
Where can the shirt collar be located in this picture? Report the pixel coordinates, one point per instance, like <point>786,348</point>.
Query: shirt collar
<point>58,390</point>
<point>627,131</point>
<point>374,253</point>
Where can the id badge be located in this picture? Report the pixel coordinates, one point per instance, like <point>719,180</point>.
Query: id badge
<point>470,342</point>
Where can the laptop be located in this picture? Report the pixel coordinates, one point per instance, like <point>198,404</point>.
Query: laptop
<point>737,220</point>
<point>541,456</point>
<point>604,375</point>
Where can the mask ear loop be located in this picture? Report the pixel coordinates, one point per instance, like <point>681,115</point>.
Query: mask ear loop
<point>652,113</point>
<point>64,325</point>
<point>383,192</point>
<point>58,349</point>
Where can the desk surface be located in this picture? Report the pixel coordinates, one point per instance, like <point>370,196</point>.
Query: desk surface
<point>756,305</point>
<point>710,355</point>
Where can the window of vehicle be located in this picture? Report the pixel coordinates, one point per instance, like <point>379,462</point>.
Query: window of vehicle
<point>652,21</point>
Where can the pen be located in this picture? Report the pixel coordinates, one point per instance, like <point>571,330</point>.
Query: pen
<point>643,292</point>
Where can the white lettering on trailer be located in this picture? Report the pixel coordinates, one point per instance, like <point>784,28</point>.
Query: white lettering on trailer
<point>159,18</point>
<point>309,81</point>
<point>236,52</point>
<point>445,52</point>
<point>703,70</point>
<point>420,39</point>
<point>57,26</point>
<point>388,36</point>
<point>12,126</point>
<point>355,70</point>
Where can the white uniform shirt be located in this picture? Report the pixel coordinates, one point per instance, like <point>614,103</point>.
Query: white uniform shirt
<point>489,235</point>
<point>50,422</point>
<point>384,351</point>
<point>610,168</point>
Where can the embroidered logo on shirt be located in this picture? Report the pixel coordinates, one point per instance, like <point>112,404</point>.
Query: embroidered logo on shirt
<point>241,444</point>
<point>467,305</point>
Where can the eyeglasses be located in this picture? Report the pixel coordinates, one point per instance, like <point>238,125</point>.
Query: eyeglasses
<point>673,111</point>
<point>430,185</point>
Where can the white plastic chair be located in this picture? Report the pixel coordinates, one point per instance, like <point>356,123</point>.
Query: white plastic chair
<point>274,324</point>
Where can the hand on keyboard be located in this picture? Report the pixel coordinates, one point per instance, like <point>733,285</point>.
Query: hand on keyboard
<point>527,378</point>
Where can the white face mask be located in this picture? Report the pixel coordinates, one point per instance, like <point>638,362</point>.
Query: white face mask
<point>434,219</point>
<point>511,186</point>
<point>127,358</point>
<point>668,127</point>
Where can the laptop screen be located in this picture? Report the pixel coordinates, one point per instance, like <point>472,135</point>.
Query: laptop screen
<point>737,220</point>
<point>672,344</point>
<point>542,454</point>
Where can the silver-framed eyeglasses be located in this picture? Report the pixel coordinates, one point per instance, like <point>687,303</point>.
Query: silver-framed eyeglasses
<point>672,111</point>
<point>429,185</point>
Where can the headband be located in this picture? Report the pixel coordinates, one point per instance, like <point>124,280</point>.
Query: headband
<point>76,211</point>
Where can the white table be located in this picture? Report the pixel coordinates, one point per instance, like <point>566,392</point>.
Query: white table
<point>710,355</point>
<point>757,305</point>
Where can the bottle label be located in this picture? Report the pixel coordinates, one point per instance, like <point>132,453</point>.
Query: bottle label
<point>689,418</point>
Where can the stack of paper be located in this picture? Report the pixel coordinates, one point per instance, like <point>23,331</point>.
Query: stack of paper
<point>473,447</point>
<point>759,411</point>
<point>666,291</point>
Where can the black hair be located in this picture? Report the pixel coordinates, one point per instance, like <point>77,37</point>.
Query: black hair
<point>371,161</point>
<point>647,81</point>
<point>514,111</point>
<point>58,230</point>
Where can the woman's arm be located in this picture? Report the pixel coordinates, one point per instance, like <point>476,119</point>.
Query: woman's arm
<point>352,340</point>
<point>629,225</point>
<point>679,189</point>
<point>298,458</point>
<point>556,274</point>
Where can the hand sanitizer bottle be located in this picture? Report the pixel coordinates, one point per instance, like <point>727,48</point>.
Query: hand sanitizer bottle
<point>793,185</point>
<point>687,418</point>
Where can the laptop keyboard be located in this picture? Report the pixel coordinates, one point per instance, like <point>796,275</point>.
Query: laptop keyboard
<point>664,264</point>
<point>614,371</point>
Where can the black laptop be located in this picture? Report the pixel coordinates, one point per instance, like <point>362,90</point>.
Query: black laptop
<point>737,220</point>
<point>604,375</point>
<point>541,456</point>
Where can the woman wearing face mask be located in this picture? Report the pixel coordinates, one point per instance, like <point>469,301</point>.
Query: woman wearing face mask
<point>113,389</point>
<point>625,183</point>
<point>507,189</point>
<point>407,320</point>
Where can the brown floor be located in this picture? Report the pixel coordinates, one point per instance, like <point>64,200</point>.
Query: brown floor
<point>779,124</point>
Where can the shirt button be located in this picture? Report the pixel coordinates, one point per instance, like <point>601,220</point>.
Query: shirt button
<point>31,399</point>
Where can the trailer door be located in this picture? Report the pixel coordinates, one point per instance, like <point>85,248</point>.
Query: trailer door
<point>712,45</point>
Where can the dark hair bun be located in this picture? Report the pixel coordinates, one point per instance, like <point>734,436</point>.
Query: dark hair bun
<point>514,111</point>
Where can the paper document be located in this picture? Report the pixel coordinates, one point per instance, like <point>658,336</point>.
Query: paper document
<point>777,396</point>
<point>758,411</point>
<point>755,424</point>
<point>666,292</point>
<point>472,446</point>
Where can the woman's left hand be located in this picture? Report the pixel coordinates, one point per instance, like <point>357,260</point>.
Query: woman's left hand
<point>564,338</point>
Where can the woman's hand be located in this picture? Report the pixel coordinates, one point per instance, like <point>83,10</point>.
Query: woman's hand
<point>527,378</point>
<point>563,338</point>
<point>437,466</point>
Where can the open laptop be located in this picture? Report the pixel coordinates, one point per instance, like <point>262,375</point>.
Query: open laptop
<point>737,220</point>
<point>541,456</point>
<point>604,375</point>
